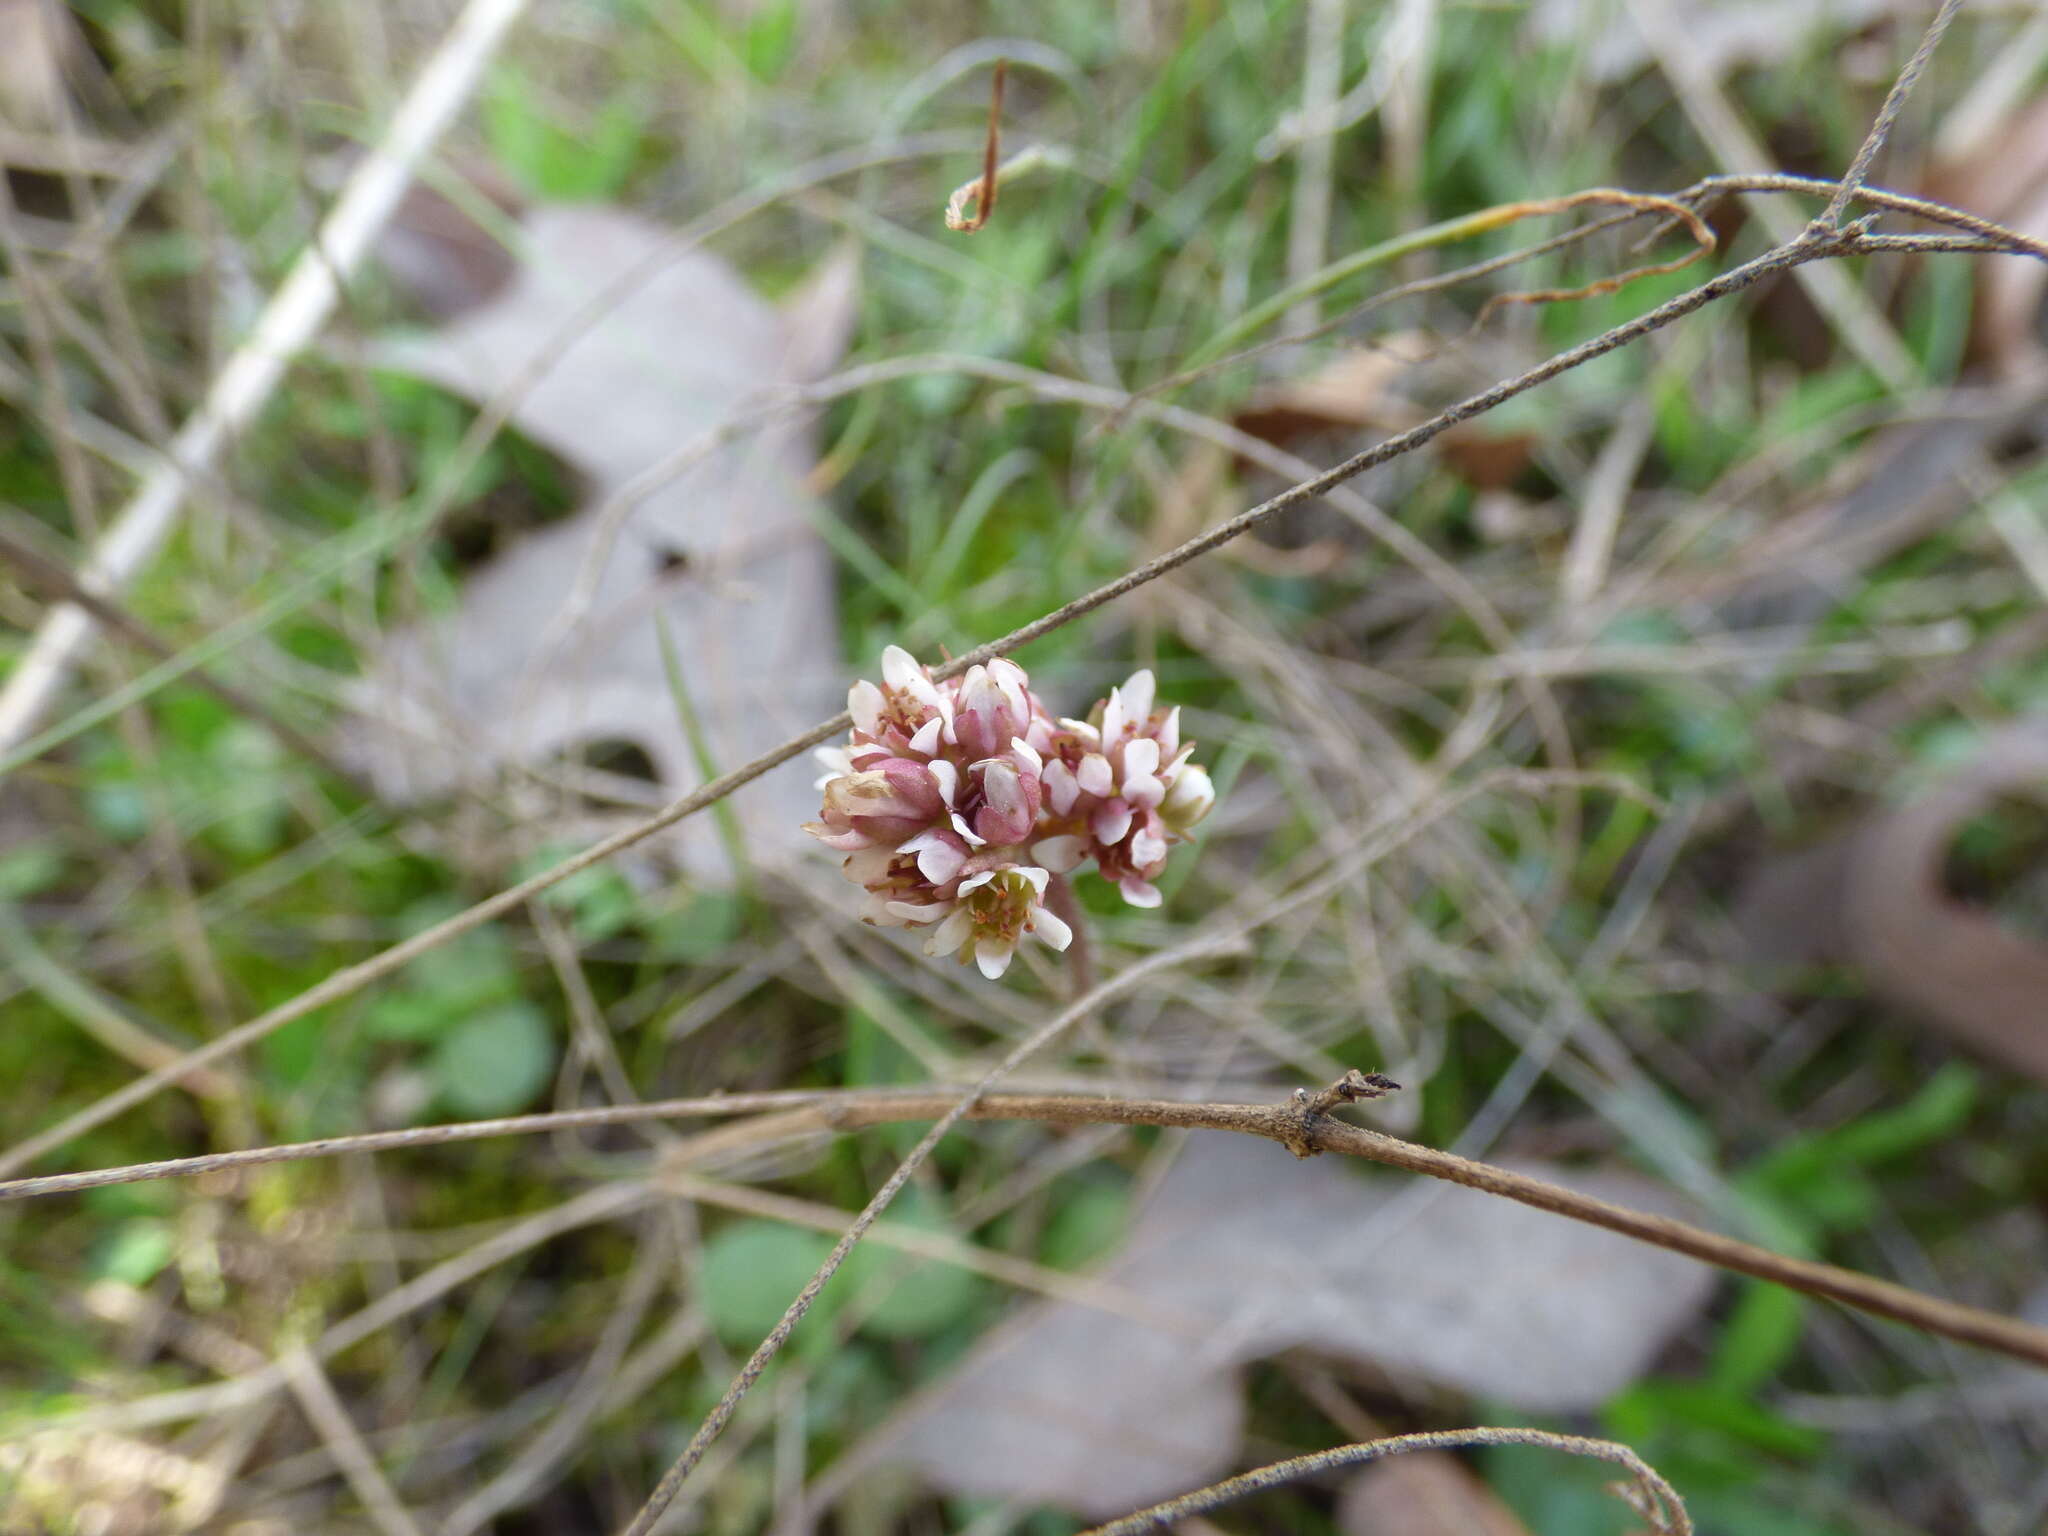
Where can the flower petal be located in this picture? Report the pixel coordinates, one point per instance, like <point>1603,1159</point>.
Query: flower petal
<point>852,840</point>
<point>918,911</point>
<point>1138,693</point>
<point>1061,788</point>
<point>938,860</point>
<point>1051,929</point>
<point>1141,757</point>
<point>1110,823</point>
<point>947,775</point>
<point>899,667</point>
<point>1095,776</point>
<point>864,703</point>
<point>1139,893</point>
<point>1059,854</point>
<point>1033,876</point>
<point>925,740</point>
<point>976,882</point>
<point>1114,718</point>
<point>993,959</point>
<point>1147,847</point>
<point>950,934</point>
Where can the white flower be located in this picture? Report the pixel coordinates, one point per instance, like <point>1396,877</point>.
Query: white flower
<point>996,909</point>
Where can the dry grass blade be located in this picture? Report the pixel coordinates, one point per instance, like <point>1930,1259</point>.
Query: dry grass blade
<point>1703,245</point>
<point>982,193</point>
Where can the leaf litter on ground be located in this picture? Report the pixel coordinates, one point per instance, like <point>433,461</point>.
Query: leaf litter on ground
<point>554,647</point>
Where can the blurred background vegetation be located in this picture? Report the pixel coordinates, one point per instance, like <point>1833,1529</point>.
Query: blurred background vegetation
<point>1780,569</point>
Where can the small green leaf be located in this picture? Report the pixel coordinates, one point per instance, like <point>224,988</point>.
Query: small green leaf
<point>1086,1225</point>
<point>702,929</point>
<point>918,1297</point>
<point>751,1272</point>
<point>493,1063</point>
<point>1759,1336</point>
<point>30,868</point>
<point>137,1252</point>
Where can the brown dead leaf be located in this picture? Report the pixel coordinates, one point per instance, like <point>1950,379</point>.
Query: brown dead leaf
<point>1355,388</point>
<point>1877,899</point>
<point>554,646</point>
<point>1362,389</point>
<point>1247,1252</point>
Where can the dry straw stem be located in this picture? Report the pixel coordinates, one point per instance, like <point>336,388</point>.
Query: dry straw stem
<point>1887,115</point>
<point>1305,1128</point>
<point>1818,244</point>
<point>1649,1495</point>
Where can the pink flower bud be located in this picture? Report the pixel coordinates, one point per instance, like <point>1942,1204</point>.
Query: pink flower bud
<point>1010,802</point>
<point>882,805</point>
<point>992,710</point>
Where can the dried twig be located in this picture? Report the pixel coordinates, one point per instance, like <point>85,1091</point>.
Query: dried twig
<point>1887,115</point>
<point>1649,1495</point>
<point>1305,1128</point>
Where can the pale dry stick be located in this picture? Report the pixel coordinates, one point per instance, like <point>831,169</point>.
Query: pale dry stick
<point>309,1384</point>
<point>1600,508</point>
<point>40,304</point>
<point>1848,241</point>
<point>1655,1499</point>
<point>1888,114</point>
<point>295,313</point>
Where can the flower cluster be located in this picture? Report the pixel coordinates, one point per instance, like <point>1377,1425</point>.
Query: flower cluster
<point>956,802</point>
